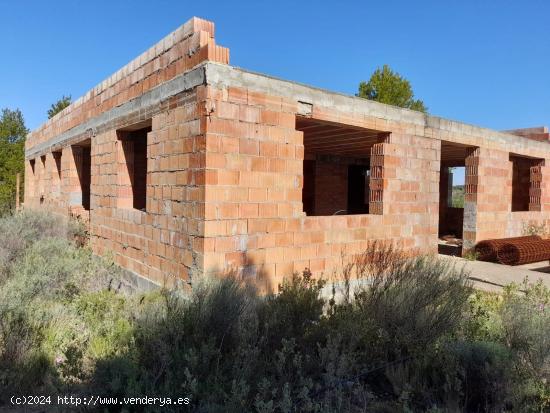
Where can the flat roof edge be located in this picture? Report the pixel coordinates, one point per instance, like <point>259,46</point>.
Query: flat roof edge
<point>217,74</point>
<point>227,75</point>
<point>139,105</point>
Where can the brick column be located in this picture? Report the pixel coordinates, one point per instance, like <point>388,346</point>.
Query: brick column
<point>41,178</point>
<point>383,163</point>
<point>376,182</point>
<point>54,193</point>
<point>535,180</point>
<point>545,187</point>
<point>382,167</point>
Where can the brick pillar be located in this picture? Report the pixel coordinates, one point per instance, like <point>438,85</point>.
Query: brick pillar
<point>376,181</point>
<point>470,198</point>
<point>545,187</point>
<point>50,184</point>
<point>535,180</point>
<point>383,161</point>
<point>42,178</point>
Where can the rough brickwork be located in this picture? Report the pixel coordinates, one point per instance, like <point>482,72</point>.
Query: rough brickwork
<point>228,154</point>
<point>159,243</point>
<point>254,216</point>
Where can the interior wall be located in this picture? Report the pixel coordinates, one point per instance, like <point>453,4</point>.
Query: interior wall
<point>331,183</point>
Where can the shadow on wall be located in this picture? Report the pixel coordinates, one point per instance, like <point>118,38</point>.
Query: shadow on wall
<point>245,268</point>
<point>242,268</point>
<point>83,164</point>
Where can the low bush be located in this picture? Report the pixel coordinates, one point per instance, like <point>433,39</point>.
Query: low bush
<point>517,322</point>
<point>21,230</point>
<point>46,280</point>
<point>293,351</point>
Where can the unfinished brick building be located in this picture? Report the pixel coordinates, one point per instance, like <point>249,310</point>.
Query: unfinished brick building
<point>183,164</point>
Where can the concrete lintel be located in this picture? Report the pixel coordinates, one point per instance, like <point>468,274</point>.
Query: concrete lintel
<point>148,100</point>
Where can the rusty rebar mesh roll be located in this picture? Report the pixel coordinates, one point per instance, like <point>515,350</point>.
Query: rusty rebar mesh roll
<point>524,252</point>
<point>488,250</point>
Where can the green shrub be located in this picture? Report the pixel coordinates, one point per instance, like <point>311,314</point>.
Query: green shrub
<point>49,337</point>
<point>22,229</point>
<point>185,343</point>
<point>295,311</point>
<point>482,321</point>
<point>534,229</point>
<point>415,305</point>
<point>526,325</point>
<point>485,373</point>
<point>22,363</point>
<point>519,321</point>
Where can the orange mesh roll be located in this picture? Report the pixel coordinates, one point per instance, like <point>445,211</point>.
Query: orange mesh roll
<point>524,252</point>
<point>488,250</point>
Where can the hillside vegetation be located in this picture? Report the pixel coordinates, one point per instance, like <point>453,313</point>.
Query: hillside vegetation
<point>458,196</point>
<point>417,338</point>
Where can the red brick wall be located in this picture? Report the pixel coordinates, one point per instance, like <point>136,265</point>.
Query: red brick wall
<point>495,218</point>
<point>163,243</point>
<point>254,216</point>
<point>160,243</point>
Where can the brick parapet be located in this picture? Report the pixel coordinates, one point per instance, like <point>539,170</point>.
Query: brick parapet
<point>188,46</point>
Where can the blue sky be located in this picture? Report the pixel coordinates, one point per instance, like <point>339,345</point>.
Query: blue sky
<point>482,62</point>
